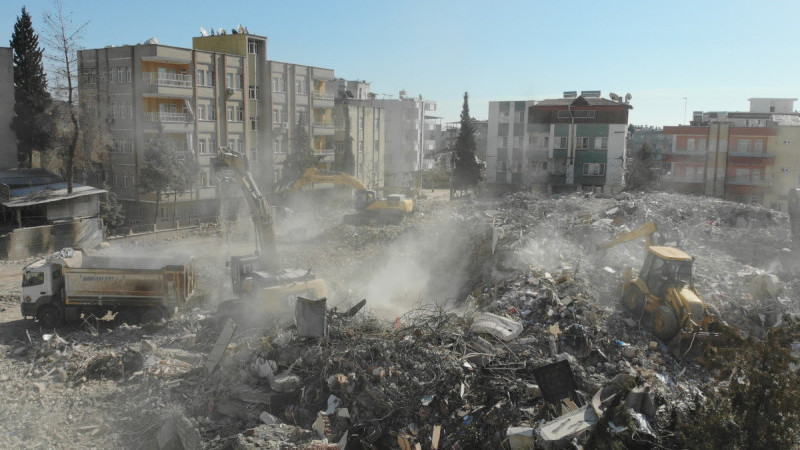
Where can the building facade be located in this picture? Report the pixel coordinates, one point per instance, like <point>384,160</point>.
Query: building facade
<point>360,129</point>
<point>222,93</point>
<point>8,149</point>
<point>558,145</point>
<point>410,139</point>
<point>750,157</point>
<point>141,91</point>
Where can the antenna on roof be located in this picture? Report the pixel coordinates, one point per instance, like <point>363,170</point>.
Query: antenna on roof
<point>628,97</point>
<point>203,32</point>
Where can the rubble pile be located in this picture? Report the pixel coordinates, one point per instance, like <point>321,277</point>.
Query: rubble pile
<point>532,349</point>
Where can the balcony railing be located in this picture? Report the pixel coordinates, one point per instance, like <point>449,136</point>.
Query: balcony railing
<point>166,79</point>
<point>746,181</point>
<point>751,155</point>
<point>324,124</point>
<point>324,151</point>
<point>166,117</point>
<point>323,94</point>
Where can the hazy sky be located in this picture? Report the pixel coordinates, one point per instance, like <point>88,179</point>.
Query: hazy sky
<point>713,54</point>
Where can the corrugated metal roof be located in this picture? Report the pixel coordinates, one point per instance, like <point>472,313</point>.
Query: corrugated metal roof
<point>47,193</point>
<point>26,177</point>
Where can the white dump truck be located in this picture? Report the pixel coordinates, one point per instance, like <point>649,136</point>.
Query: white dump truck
<point>70,284</point>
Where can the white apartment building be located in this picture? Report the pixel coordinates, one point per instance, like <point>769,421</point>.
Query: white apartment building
<point>410,138</point>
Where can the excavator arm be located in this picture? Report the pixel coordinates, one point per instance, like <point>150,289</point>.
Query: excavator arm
<point>647,230</point>
<point>266,249</point>
<point>313,175</point>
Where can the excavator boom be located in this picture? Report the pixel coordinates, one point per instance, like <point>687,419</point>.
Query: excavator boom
<point>313,175</point>
<point>266,249</point>
<point>647,230</point>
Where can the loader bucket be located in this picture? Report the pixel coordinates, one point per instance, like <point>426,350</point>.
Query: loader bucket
<point>692,345</point>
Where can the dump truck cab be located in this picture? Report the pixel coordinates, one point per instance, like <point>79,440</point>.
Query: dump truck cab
<point>42,282</point>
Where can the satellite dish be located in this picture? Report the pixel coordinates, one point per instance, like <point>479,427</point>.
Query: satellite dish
<point>241,29</point>
<point>614,97</point>
<point>203,32</point>
<point>628,97</point>
<point>221,31</point>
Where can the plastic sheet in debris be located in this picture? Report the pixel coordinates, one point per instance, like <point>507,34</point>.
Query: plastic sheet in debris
<point>500,327</point>
<point>311,317</point>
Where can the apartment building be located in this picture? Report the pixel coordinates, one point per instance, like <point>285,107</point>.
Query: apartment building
<point>8,150</point>
<point>223,92</point>
<point>410,139</point>
<point>558,145</point>
<point>280,97</point>
<point>749,157</point>
<point>360,129</point>
<point>194,97</point>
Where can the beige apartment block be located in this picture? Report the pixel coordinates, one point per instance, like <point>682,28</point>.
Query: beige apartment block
<point>195,97</point>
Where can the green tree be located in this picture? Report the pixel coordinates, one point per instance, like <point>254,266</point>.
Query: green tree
<point>185,177</point>
<point>641,173</point>
<point>64,39</point>
<point>32,122</point>
<point>301,156</point>
<point>160,168</point>
<point>467,171</point>
<point>112,213</point>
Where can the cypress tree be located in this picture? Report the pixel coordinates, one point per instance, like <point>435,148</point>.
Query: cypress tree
<point>466,166</point>
<point>32,122</point>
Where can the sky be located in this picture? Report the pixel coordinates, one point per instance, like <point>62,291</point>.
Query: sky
<point>673,57</point>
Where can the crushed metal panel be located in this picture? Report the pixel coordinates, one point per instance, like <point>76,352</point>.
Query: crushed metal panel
<point>556,382</point>
<point>311,317</point>
<point>558,431</point>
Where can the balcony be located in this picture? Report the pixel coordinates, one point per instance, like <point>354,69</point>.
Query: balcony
<point>166,79</point>
<point>166,117</point>
<point>324,124</point>
<point>323,95</point>
<point>746,181</point>
<point>751,158</point>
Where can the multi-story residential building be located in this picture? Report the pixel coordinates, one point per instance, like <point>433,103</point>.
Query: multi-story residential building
<point>750,157</point>
<point>638,135</point>
<point>222,93</point>
<point>360,124</point>
<point>410,144</point>
<point>194,97</point>
<point>280,97</point>
<point>8,151</point>
<point>558,145</point>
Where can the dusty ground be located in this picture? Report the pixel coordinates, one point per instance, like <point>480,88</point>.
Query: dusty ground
<point>56,398</point>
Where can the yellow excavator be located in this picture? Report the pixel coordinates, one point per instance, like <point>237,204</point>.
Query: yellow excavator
<point>258,277</point>
<point>663,294</point>
<point>370,209</point>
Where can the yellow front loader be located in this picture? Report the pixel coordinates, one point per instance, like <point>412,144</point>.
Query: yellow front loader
<point>662,295</point>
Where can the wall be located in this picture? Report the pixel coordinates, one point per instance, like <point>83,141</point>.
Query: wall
<point>26,242</point>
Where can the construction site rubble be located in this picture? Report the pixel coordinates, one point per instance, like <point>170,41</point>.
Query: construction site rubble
<point>531,350</point>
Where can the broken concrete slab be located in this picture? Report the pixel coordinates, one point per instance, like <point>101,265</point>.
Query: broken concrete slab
<point>220,346</point>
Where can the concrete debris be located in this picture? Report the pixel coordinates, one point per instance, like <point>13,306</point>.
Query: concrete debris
<point>499,327</point>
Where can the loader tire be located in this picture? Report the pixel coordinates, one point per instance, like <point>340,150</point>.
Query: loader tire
<point>633,300</point>
<point>665,323</point>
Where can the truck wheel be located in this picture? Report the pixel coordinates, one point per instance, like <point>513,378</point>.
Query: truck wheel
<point>126,316</point>
<point>152,315</point>
<point>49,317</point>
<point>665,323</point>
<point>633,300</point>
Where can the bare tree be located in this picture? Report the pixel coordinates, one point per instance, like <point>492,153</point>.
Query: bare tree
<point>63,39</point>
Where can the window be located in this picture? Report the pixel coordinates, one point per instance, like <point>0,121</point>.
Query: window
<point>601,143</point>
<point>519,116</point>
<point>701,146</point>
<point>518,141</point>
<point>758,146</point>
<point>276,116</point>
<point>278,84</point>
<point>254,123</point>
<point>229,80</point>
<point>212,112</point>
<point>231,113</point>
<point>253,92</point>
<point>239,114</point>
<point>594,169</point>
<point>690,145</point>
<point>582,143</point>
<point>252,47</point>
<point>201,77</point>
<point>502,141</point>
<point>559,142</point>
<point>300,86</point>
<point>32,279</point>
<point>743,146</point>
<point>90,75</point>
<point>201,112</point>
